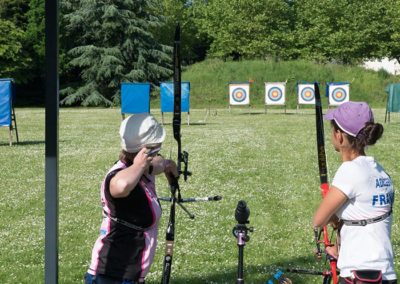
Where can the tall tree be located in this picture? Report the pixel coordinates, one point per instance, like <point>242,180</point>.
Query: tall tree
<point>345,31</point>
<point>12,58</point>
<point>35,36</point>
<point>321,27</point>
<point>115,45</point>
<point>14,11</point>
<point>394,43</point>
<point>246,28</point>
<point>194,43</point>
<point>16,55</point>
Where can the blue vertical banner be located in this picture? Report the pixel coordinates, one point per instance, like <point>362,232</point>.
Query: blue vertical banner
<point>167,96</point>
<point>135,98</point>
<point>5,102</point>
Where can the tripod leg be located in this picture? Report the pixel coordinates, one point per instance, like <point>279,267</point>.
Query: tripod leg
<point>327,279</point>
<point>240,279</point>
<point>191,216</point>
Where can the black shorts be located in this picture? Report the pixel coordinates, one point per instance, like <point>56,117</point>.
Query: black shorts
<point>343,281</point>
<point>101,279</point>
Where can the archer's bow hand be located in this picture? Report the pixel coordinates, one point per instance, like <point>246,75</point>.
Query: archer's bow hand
<point>171,172</point>
<point>331,252</point>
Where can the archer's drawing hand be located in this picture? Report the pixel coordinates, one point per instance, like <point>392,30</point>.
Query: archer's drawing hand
<point>142,160</point>
<point>171,171</point>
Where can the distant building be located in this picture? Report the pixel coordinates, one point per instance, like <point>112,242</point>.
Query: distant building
<point>391,66</point>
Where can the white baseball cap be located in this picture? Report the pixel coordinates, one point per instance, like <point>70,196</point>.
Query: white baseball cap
<point>139,130</point>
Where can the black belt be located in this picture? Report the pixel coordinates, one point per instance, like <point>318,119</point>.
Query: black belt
<point>367,221</point>
<point>123,222</point>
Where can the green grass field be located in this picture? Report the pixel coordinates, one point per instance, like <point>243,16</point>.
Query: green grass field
<point>268,160</point>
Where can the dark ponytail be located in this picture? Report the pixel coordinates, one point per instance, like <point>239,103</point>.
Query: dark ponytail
<point>366,137</point>
<point>370,133</point>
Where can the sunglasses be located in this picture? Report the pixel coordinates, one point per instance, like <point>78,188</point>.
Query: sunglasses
<point>153,151</point>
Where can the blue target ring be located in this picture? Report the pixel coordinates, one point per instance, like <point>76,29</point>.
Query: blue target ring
<point>239,95</point>
<point>275,94</point>
<point>307,94</point>
<point>339,95</point>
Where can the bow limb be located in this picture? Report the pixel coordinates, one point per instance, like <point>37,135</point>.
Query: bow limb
<point>174,184</point>
<point>176,122</point>
<point>323,174</point>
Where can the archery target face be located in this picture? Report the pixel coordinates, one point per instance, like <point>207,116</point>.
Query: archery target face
<point>306,94</point>
<point>338,94</point>
<point>239,94</point>
<point>274,93</point>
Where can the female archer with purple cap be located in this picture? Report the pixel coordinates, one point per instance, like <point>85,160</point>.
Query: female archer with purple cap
<point>361,197</point>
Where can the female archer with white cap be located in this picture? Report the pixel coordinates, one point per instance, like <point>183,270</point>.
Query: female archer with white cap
<point>362,197</point>
<point>125,248</point>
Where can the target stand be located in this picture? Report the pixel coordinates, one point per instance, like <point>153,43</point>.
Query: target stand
<point>7,112</point>
<point>239,94</point>
<point>393,100</point>
<point>275,94</point>
<point>167,98</point>
<point>135,98</point>
<point>305,94</point>
<point>338,93</point>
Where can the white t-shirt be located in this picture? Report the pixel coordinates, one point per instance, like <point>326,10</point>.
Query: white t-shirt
<point>370,192</point>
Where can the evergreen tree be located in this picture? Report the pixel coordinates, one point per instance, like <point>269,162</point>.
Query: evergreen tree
<point>114,44</point>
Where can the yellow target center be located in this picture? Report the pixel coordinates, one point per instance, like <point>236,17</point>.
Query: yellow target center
<point>239,95</point>
<point>275,94</point>
<point>308,94</point>
<point>339,95</point>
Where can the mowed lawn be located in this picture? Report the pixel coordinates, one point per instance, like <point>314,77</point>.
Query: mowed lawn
<point>268,160</point>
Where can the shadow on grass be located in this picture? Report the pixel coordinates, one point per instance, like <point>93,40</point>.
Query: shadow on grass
<point>309,266</point>
<point>261,273</point>
<point>281,113</point>
<point>248,113</point>
<point>267,113</point>
<point>199,123</point>
<point>23,143</point>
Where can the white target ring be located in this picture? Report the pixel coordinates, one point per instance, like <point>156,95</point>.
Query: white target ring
<point>239,93</point>
<point>275,93</point>
<point>305,94</point>
<point>338,93</point>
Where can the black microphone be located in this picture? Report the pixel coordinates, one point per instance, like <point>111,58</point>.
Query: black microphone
<point>242,212</point>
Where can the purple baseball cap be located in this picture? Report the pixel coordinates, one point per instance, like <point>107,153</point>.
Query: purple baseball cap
<point>351,117</point>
